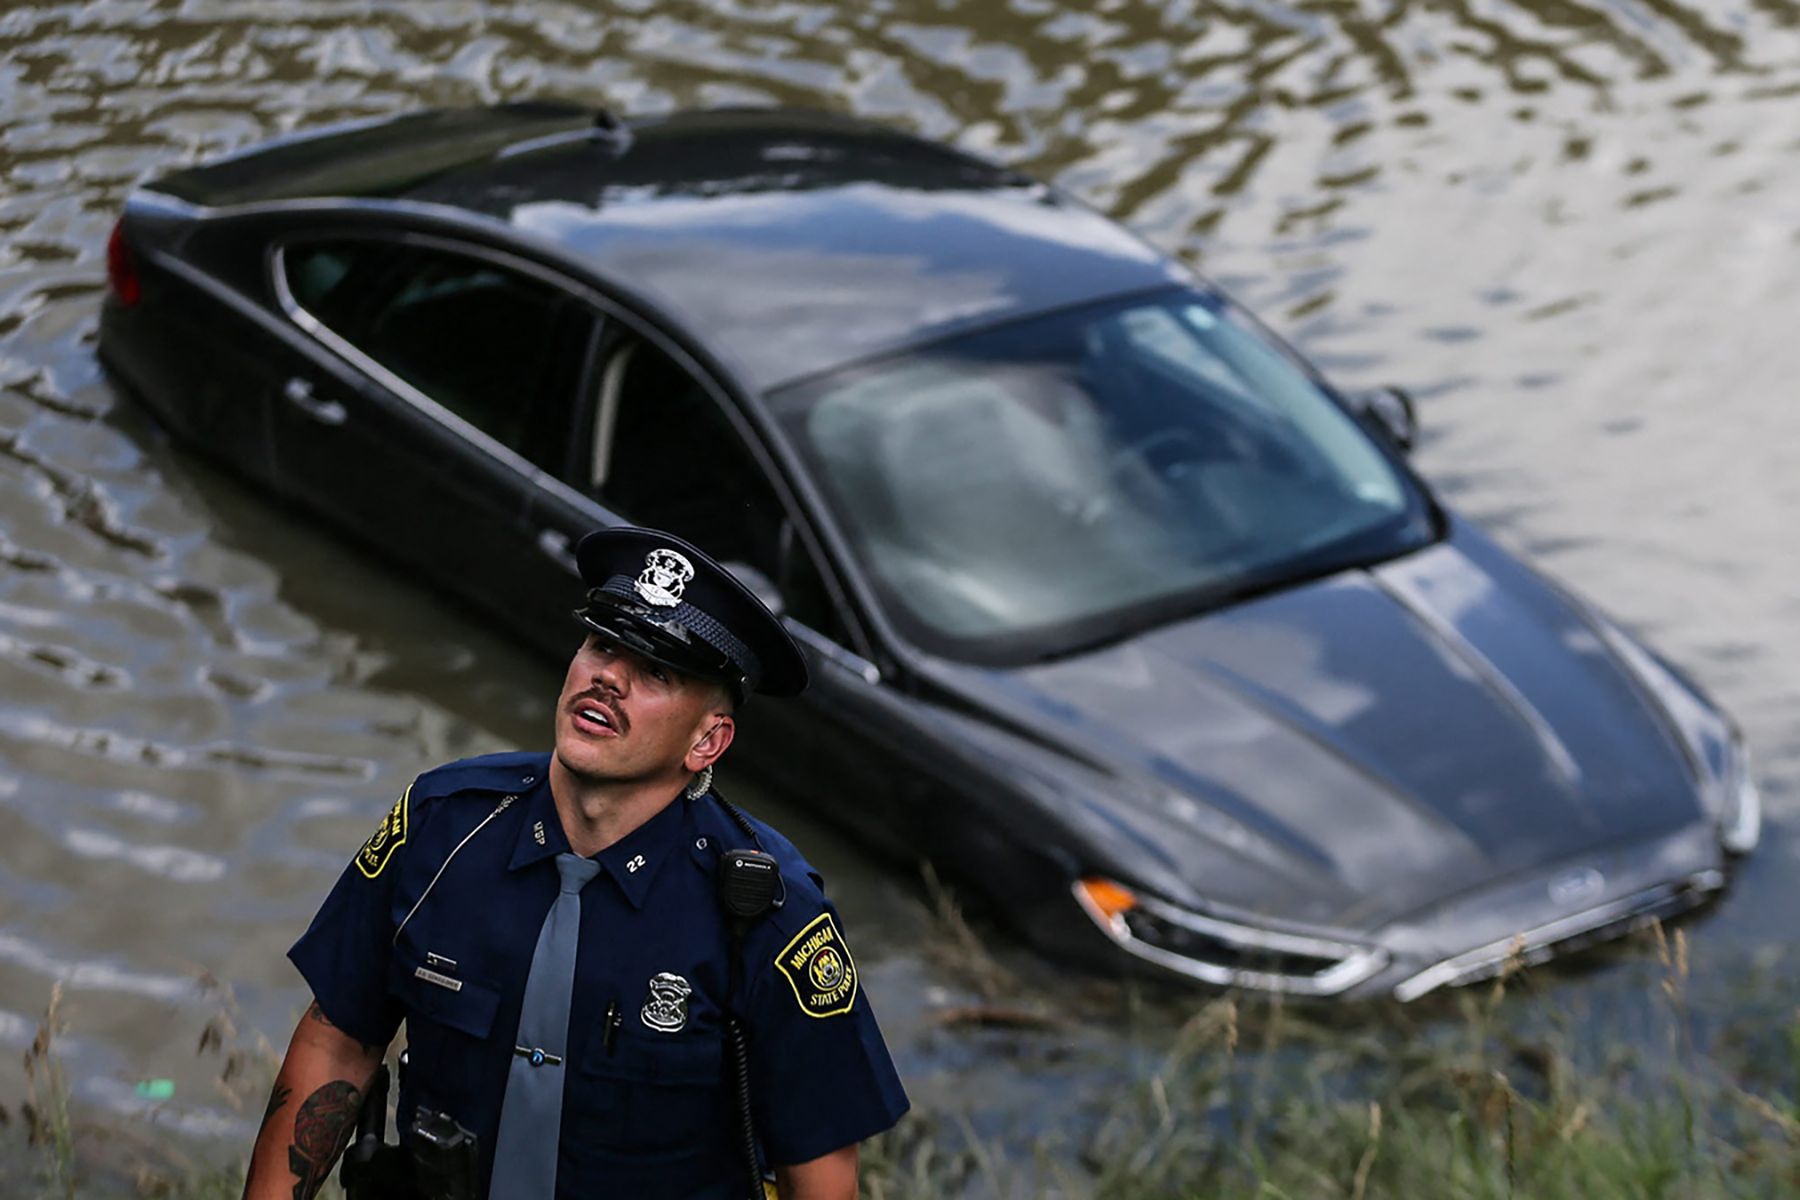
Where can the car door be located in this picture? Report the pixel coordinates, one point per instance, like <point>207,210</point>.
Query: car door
<point>421,407</point>
<point>655,445</point>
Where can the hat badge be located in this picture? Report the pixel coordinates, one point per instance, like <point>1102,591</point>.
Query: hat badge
<point>664,577</point>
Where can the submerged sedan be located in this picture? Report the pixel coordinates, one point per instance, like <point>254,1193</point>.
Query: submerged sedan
<point>1116,610</point>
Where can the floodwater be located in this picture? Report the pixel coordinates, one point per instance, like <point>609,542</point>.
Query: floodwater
<point>1572,227</point>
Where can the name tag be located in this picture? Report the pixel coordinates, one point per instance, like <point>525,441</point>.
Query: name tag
<point>443,981</point>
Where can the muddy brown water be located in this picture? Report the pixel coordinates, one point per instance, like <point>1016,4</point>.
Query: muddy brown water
<point>1571,226</point>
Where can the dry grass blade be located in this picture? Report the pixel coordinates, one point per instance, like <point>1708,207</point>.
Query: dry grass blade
<point>1360,1184</point>
<point>956,947</point>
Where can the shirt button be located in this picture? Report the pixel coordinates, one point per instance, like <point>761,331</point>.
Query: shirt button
<point>700,844</point>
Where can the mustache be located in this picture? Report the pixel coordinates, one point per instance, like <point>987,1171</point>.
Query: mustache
<point>598,700</point>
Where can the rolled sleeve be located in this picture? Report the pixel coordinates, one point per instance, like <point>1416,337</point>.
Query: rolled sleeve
<point>821,1075</point>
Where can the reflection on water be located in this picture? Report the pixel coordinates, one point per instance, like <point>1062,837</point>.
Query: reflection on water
<point>1572,227</point>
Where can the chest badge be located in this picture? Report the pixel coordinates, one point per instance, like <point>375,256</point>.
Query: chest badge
<point>666,1009</point>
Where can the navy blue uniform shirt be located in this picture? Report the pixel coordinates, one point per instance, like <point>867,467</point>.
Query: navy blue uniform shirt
<point>434,922</point>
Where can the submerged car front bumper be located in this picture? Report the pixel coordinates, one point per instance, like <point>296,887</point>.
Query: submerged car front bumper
<point>1526,919</point>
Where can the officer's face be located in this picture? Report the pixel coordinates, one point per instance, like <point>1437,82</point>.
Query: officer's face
<point>625,719</point>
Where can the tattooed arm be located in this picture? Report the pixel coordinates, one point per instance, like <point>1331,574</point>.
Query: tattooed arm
<point>312,1110</point>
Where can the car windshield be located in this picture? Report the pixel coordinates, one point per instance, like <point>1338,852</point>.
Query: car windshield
<point>1069,478</point>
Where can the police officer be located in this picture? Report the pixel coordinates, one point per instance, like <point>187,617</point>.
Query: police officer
<point>549,929</point>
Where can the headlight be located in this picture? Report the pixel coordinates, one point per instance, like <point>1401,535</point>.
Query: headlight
<point>1223,952</point>
<point>1740,820</point>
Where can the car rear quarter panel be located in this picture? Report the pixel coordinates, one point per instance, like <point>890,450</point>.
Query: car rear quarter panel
<point>191,353</point>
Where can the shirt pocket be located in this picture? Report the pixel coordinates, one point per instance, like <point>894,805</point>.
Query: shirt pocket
<point>465,1005</point>
<point>654,1093</point>
<point>444,1027</point>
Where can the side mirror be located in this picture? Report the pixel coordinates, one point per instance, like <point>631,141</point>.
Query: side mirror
<point>1389,409</point>
<point>760,585</point>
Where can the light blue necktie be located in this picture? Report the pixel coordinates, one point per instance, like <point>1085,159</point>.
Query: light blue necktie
<point>531,1114</point>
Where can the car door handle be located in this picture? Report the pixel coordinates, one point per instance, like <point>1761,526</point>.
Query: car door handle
<point>555,545</point>
<point>299,393</point>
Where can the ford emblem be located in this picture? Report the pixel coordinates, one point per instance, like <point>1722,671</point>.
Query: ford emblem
<point>1572,887</point>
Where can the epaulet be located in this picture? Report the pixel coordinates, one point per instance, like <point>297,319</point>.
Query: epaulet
<point>482,778</point>
<point>793,864</point>
<point>487,774</point>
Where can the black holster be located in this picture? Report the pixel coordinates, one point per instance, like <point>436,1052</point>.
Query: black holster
<point>443,1157</point>
<point>374,1170</point>
<point>384,1174</point>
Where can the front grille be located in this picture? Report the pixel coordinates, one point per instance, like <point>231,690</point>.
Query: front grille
<point>1603,923</point>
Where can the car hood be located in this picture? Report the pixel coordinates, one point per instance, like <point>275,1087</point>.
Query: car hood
<point>1350,750</point>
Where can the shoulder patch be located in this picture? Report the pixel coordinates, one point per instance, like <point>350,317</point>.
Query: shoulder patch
<point>388,837</point>
<point>818,966</point>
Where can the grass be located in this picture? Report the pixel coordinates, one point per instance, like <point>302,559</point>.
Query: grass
<point>1248,1098</point>
<point>64,1154</point>
<point>1345,1121</point>
<point>1254,1099</point>
<point>46,1112</point>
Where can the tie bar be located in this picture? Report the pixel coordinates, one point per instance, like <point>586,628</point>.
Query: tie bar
<point>537,1057</point>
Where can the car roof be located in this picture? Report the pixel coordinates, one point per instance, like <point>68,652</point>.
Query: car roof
<point>788,242</point>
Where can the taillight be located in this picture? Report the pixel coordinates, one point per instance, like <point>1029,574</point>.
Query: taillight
<point>121,271</point>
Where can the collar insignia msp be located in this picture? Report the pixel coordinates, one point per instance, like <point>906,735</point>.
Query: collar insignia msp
<point>818,966</point>
<point>666,1009</point>
<point>388,837</point>
<point>664,578</point>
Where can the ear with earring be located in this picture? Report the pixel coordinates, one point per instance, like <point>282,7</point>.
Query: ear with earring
<point>703,778</point>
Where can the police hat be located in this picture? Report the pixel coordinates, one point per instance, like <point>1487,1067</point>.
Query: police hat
<point>671,603</point>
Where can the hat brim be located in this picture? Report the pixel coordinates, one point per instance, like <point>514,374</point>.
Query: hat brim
<point>659,639</point>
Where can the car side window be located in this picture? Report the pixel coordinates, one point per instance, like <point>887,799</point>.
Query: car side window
<point>664,455</point>
<point>492,345</point>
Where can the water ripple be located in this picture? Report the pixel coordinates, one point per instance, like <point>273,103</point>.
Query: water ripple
<point>95,974</point>
<point>174,863</point>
